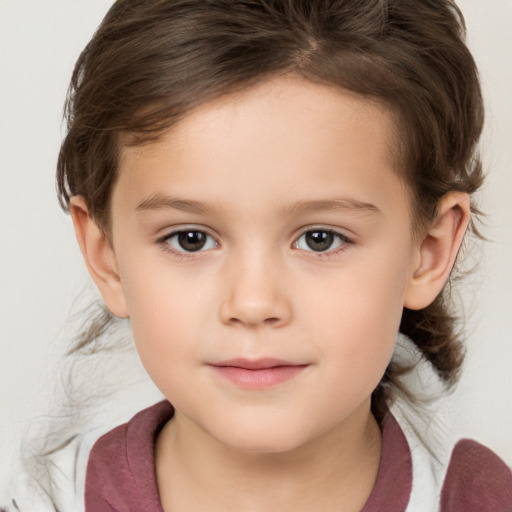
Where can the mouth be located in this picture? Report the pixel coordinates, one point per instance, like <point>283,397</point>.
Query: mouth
<point>257,373</point>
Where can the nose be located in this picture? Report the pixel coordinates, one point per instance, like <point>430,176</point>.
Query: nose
<point>255,295</point>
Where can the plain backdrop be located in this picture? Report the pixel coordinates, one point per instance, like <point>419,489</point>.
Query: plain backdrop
<point>42,272</point>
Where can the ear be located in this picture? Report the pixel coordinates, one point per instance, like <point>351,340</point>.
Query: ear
<point>437,251</point>
<point>99,257</point>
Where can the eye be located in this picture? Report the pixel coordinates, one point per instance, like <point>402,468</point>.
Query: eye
<point>190,240</point>
<point>320,240</point>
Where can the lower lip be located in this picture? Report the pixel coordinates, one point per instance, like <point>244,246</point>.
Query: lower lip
<point>258,379</point>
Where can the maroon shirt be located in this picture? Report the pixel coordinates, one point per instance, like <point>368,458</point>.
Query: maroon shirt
<point>121,471</point>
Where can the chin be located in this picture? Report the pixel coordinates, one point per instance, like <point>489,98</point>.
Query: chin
<point>259,440</point>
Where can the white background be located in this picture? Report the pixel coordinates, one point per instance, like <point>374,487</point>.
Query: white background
<point>42,272</point>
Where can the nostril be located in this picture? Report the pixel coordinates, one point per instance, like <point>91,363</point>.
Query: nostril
<point>272,321</point>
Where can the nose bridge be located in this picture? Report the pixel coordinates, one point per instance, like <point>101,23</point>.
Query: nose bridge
<point>255,293</point>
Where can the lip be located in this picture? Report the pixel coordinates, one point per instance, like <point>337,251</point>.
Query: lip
<point>257,373</point>
<point>255,364</point>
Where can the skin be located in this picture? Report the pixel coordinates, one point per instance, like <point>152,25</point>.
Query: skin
<point>267,166</point>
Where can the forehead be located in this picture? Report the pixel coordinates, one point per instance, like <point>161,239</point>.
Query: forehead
<point>289,100</point>
<point>268,141</point>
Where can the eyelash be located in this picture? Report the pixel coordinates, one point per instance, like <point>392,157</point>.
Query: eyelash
<point>345,242</point>
<point>183,254</point>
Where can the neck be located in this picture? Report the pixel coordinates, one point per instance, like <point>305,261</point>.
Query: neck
<point>339,467</point>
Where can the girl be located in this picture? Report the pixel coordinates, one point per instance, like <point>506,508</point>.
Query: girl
<point>270,191</point>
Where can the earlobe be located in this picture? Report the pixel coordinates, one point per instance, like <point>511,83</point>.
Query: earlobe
<point>438,250</point>
<point>99,257</point>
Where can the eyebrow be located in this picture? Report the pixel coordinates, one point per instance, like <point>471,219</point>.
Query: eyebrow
<point>335,204</point>
<point>161,202</point>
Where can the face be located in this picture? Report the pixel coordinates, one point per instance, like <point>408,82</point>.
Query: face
<point>264,246</point>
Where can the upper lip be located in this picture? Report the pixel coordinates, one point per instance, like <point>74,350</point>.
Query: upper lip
<point>256,364</point>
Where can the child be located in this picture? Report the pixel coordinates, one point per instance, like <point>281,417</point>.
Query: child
<point>270,191</point>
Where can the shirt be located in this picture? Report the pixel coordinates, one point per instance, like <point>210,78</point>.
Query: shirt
<point>121,472</point>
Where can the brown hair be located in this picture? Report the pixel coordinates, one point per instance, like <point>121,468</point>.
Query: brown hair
<point>150,63</point>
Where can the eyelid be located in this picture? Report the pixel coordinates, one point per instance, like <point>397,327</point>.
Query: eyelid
<point>163,240</point>
<point>169,231</point>
<point>346,241</point>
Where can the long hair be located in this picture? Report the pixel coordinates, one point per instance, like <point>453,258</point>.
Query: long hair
<point>150,63</point>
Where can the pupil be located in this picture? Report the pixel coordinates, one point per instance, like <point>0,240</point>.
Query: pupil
<point>192,240</point>
<point>319,240</point>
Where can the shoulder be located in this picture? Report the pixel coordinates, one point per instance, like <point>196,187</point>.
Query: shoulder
<point>52,481</point>
<point>449,474</point>
<point>121,462</point>
<point>476,479</point>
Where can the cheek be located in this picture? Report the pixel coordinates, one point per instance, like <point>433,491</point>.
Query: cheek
<point>164,311</point>
<point>357,320</point>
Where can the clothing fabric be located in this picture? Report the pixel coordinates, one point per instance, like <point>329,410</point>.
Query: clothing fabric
<point>121,472</point>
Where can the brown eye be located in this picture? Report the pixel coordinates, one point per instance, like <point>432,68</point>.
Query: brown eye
<point>190,240</point>
<point>320,240</point>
